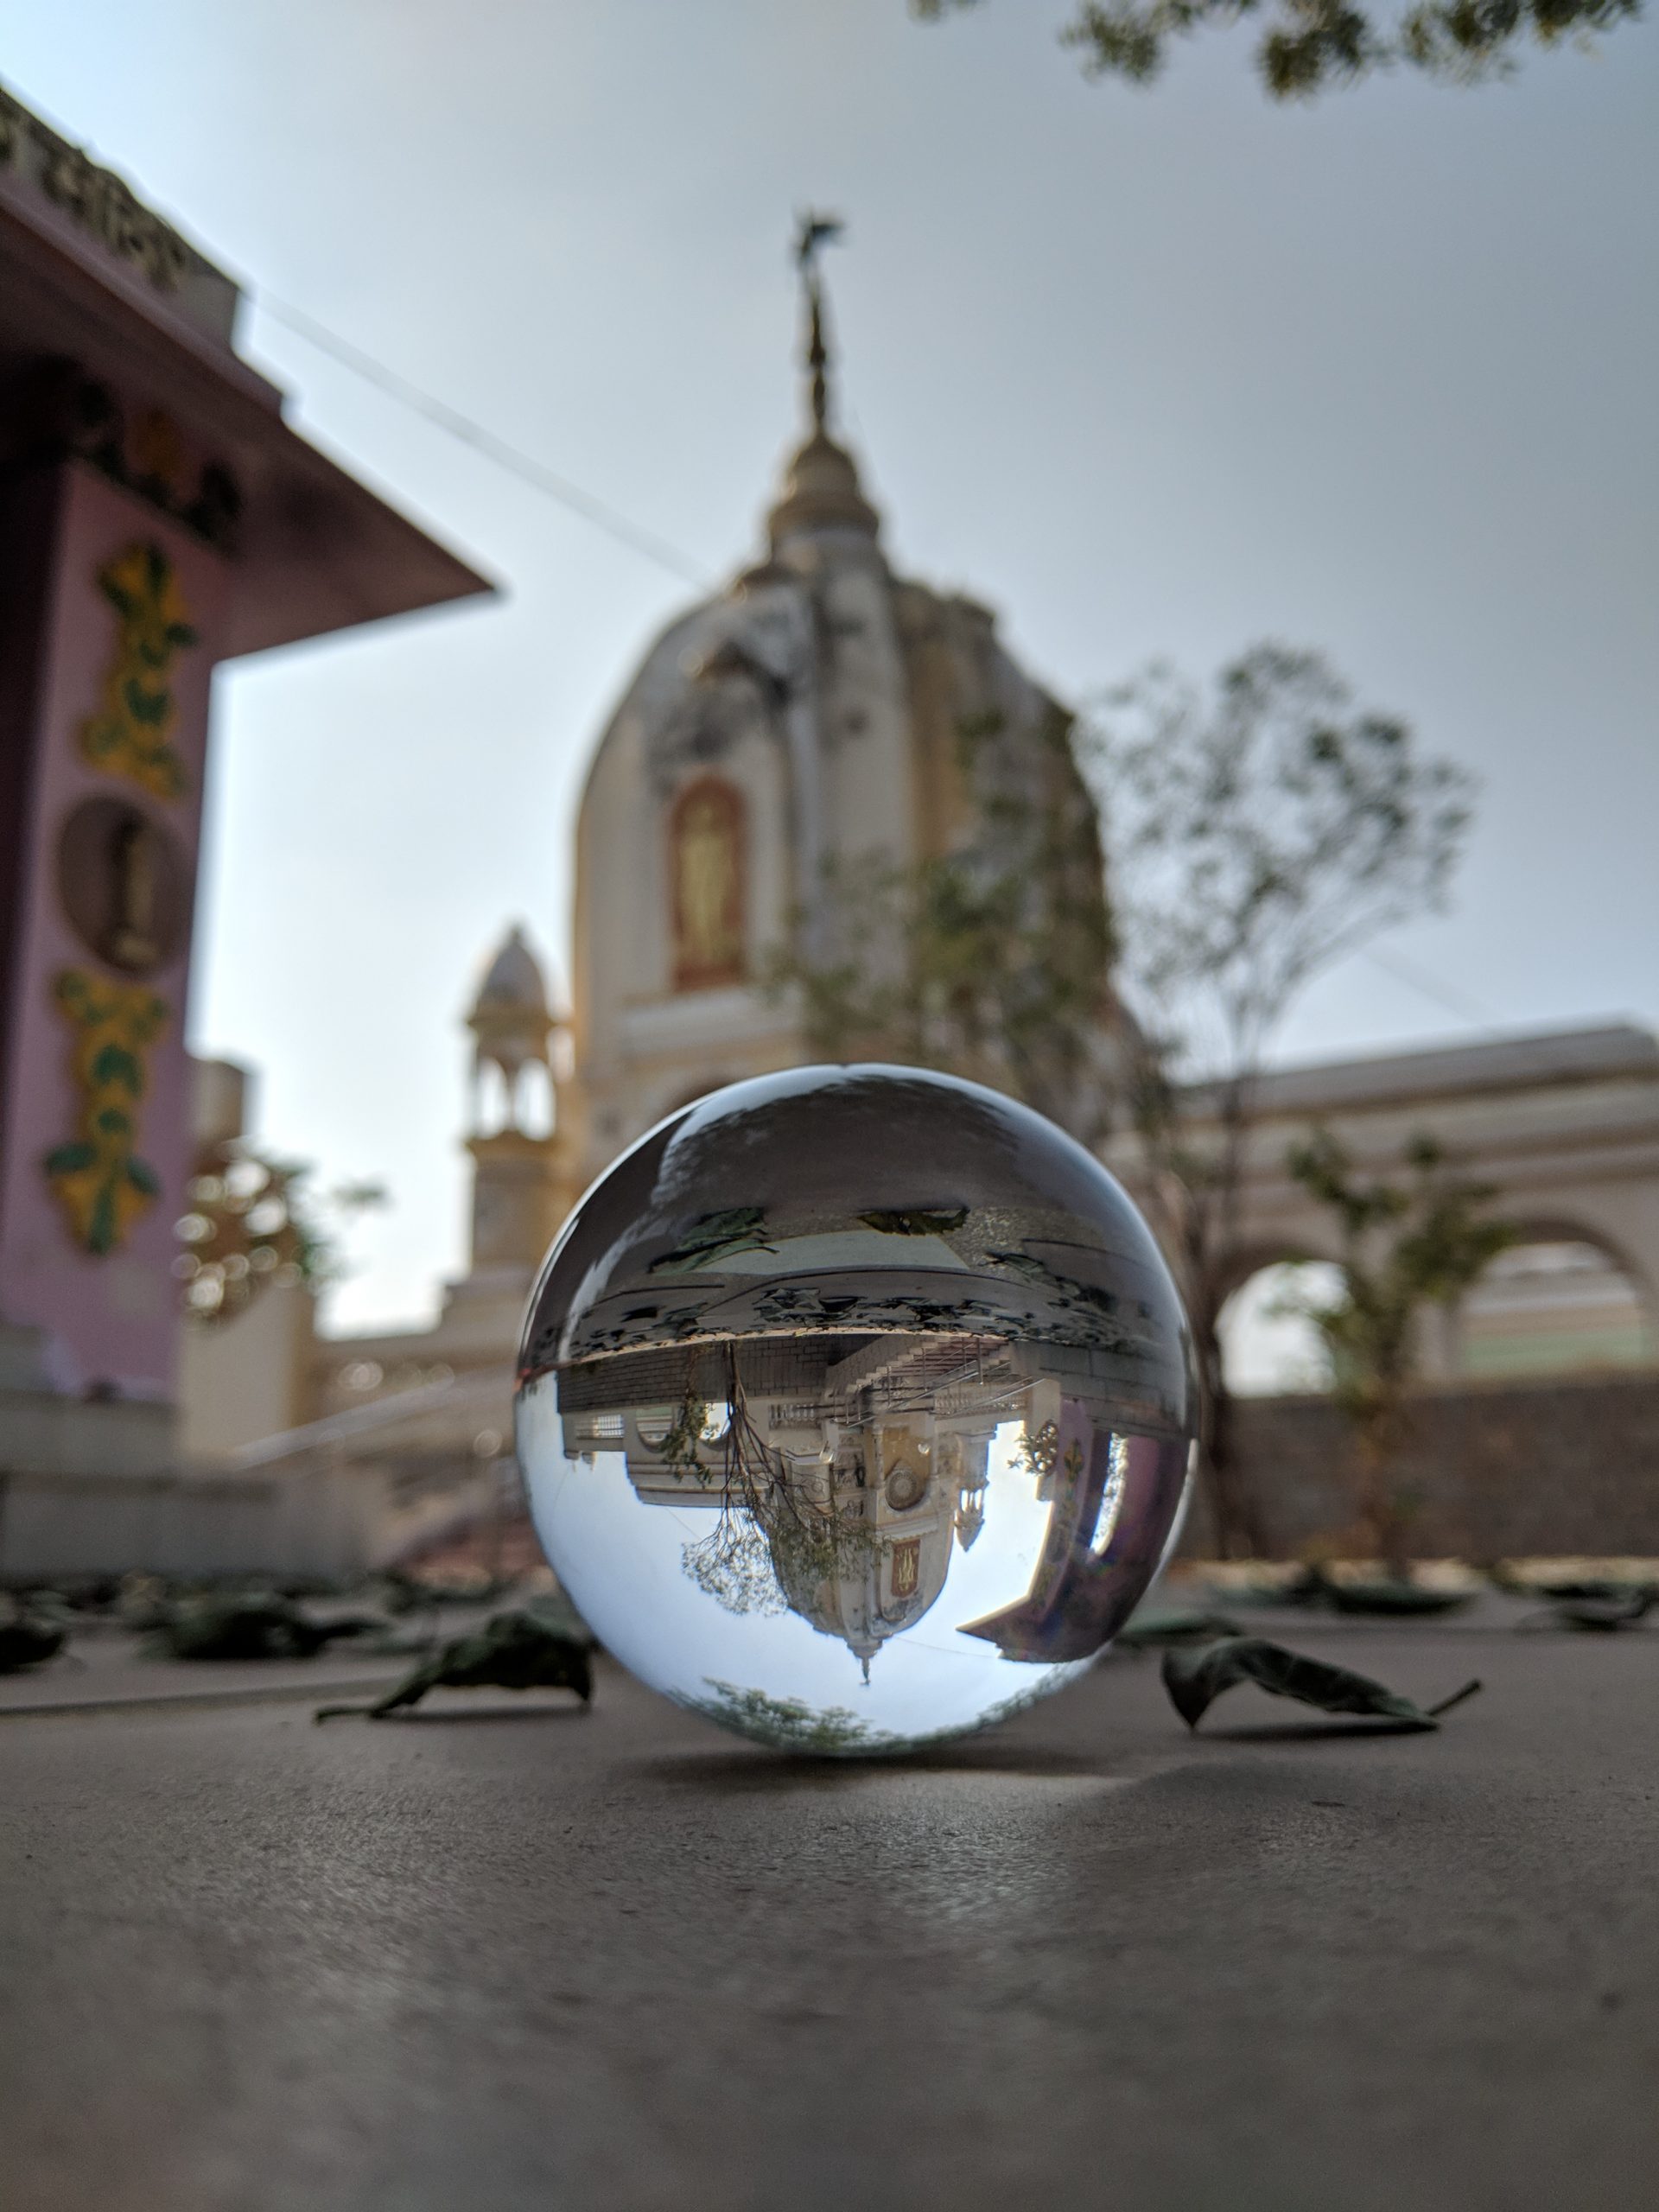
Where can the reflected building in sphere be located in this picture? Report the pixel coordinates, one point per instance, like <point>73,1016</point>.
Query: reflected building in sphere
<point>822,726</point>
<point>860,1472</point>
<point>858,1390</point>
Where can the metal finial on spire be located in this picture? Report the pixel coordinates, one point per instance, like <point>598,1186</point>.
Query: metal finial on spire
<point>814,231</point>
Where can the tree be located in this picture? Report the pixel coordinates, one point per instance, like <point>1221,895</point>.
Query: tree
<point>992,961</point>
<point>1309,46</point>
<point>255,1220</point>
<point>1404,1250</point>
<point>1246,847</point>
<point>1251,844</point>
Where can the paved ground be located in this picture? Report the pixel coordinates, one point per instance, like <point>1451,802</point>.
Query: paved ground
<point>546,1961</point>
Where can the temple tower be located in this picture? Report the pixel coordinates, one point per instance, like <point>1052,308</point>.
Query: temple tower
<point>520,1182</point>
<point>819,724</point>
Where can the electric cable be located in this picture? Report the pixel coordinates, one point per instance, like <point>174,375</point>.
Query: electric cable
<point>505,456</point>
<point>1430,987</point>
<point>666,555</point>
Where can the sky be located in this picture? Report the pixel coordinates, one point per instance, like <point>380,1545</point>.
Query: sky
<point>1156,373</point>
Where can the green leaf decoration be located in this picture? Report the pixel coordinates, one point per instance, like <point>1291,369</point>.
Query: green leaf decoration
<point>143,1177</point>
<point>100,1231</point>
<point>114,1064</point>
<point>514,1651</point>
<point>145,704</point>
<point>69,1159</point>
<point>1195,1678</point>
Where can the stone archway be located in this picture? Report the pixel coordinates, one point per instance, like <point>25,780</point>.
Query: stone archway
<point>1565,1300</point>
<point>1266,1349</point>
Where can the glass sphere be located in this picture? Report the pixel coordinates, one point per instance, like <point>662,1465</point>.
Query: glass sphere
<point>854,1407</point>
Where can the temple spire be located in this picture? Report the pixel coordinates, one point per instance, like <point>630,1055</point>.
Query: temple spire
<point>821,489</point>
<point>816,230</point>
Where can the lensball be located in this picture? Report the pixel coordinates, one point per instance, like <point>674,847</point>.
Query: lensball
<point>854,1407</point>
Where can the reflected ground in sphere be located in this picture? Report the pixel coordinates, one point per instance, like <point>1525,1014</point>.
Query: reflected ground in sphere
<point>854,1407</point>
<point>847,1543</point>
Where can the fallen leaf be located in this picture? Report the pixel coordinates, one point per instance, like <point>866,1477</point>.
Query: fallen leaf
<point>1153,1630</point>
<point>26,1640</point>
<point>1399,1599</point>
<point>250,1624</point>
<point>1196,1679</point>
<point>1600,1614</point>
<point>515,1651</point>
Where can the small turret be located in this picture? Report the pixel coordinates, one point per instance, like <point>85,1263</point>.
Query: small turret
<point>512,1027</point>
<point>521,1185</point>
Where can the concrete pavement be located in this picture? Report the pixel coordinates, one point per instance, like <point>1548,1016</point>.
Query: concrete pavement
<point>534,1958</point>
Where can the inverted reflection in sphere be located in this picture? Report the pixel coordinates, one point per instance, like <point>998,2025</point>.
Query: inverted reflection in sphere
<point>854,1408</point>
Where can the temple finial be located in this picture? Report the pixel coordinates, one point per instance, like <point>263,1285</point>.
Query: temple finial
<point>814,231</point>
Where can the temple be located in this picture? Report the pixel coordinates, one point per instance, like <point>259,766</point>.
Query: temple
<point>157,518</point>
<point>790,758</point>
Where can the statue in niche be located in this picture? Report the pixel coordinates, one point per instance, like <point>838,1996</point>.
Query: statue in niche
<point>707,876</point>
<point>135,857</point>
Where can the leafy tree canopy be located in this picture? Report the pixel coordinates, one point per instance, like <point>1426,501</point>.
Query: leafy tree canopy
<point>1256,838</point>
<point>1406,1246</point>
<point>1309,46</point>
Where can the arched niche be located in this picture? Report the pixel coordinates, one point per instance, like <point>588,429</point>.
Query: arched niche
<point>1564,1300</point>
<point>1268,1348</point>
<point>708,884</point>
<point>491,1098</point>
<point>532,1104</point>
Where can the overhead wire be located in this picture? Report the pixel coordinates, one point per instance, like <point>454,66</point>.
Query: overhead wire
<point>1430,987</point>
<point>652,547</point>
<point>599,512</point>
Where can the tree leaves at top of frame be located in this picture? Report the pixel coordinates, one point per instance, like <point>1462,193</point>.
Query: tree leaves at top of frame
<point>1308,47</point>
<point>1195,1678</point>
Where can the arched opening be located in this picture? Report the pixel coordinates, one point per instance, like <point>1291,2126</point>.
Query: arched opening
<point>1562,1302</point>
<point>708,855</point>
<point>532,1099</point>
<point>1269,1346</point>
<point>491,1100</point>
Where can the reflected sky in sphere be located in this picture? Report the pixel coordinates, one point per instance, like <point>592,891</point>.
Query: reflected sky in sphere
<point>855,1409</point>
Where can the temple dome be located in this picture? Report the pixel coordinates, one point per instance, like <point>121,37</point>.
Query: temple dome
<point>788,748</point>
<point>513,982</point>
<point>821,491</point>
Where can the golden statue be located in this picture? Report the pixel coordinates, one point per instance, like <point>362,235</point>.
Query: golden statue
<point>132,942</point>
<point>707,865</point>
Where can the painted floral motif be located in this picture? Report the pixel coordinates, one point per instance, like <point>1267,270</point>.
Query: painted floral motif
<point>100,1180</point>
<point>131,734</point>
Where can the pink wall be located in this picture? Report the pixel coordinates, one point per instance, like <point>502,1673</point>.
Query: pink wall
<point>112,1317</point>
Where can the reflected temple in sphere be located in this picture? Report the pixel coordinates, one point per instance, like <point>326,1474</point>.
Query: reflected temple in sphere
<point>855,1408</point>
